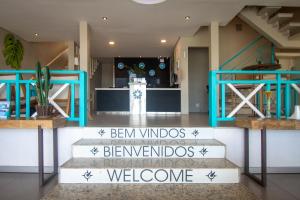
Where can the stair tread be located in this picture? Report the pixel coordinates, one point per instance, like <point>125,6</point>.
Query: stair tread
<point>199,142</point>
<point>290,26</point>
<point>281,17</point>
<point>148,163</point>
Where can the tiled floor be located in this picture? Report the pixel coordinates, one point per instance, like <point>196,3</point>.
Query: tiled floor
<point>151,120</point>
<point>16,186</point>
<point>153,191</point>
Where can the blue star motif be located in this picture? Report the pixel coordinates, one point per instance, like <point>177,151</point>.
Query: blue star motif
<point>87,175</point>
<point>203,151</point>
<point>94,150</point>
<point>137,94</point>
<point>195,133</point>
<point>101,132</point>
<point>211,175</point>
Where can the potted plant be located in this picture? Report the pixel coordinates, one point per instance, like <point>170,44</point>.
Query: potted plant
<point>43,108</point>
<point>13,51</point>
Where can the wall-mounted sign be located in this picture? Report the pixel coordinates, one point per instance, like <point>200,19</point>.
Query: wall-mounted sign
<point>121,65</point>
<point>152,72</point>
<point>141,65</point>
<point>162,66</point>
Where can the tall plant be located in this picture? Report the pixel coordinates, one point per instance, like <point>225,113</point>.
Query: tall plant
<point>13,51</point>
<point>42,84</point>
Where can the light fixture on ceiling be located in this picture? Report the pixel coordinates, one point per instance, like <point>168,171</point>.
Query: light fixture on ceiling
<point>104,18</point>
<point>149,1</point>
<point>36,34</point>
<point>187,18</point>
<point>163,41</point>
<point>111,43</point>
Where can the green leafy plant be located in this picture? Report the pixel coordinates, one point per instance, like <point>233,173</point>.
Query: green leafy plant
<point>13,51</point>
<point>42,84</point>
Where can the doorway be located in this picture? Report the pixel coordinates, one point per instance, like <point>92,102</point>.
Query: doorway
<point>198,65</point>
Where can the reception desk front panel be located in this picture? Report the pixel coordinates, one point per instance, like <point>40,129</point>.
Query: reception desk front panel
<point>162,100</point>
<point>158,100</point>
<point>111,99</point>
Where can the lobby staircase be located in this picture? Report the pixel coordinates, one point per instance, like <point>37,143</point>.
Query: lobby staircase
<point>280,25</point>
<point>149,155</point>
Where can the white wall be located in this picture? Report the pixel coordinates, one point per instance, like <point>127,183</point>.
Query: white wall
<point>37,51</point>
<point>230,40</point>
<point>29,59</point>
<point>201,39</point>
<point>19,147</point>
<point>282,147</point>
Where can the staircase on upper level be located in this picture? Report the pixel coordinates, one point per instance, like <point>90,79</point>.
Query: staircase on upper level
<point>149,155</point>
<point>281,25</point>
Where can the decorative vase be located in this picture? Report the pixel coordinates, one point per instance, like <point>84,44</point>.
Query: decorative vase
<point>268,109</point>
<point>44,111</point>
<point>296,114</point>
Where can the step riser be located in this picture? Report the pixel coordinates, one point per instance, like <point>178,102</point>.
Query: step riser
<point>141,175</point>
<point>149,133</point>
<point>148,151</point>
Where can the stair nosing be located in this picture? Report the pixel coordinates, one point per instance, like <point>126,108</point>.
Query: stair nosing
<point>153,142</point>
<point>85,163</point>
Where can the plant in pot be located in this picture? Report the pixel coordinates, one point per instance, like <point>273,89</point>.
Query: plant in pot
<point>43,108</point>
<point>13,51</point>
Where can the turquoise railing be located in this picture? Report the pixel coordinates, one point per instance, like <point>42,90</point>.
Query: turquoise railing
<point>281,86</point>
<point>81,83</point>
<point>259,49</point>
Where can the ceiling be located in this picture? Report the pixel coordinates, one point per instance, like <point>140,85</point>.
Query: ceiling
<point>137,29</point>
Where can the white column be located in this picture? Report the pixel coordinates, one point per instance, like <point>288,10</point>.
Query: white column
<point>84,52</point>
<point>214,53</point>
<point>71,55</point>
<point>214,46</point>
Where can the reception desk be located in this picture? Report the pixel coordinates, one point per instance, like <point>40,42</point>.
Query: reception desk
<point>161,100</point>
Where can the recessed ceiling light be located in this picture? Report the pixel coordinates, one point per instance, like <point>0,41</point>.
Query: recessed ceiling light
<point>187,18</point>
<point>104,18</point>
<point>111,43</point>
<point>149,1</point>
<point>163,41</point>
<point>36,34</point>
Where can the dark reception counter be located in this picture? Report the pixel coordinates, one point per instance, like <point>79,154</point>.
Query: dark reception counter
<point>158,100</point>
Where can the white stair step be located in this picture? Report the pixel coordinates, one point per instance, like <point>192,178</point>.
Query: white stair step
<point>268,11</point>
<point>280,18</point>
<point>98,148</point>
<point>98,170</point>
<point>291,28</point>
<point>149,133</point>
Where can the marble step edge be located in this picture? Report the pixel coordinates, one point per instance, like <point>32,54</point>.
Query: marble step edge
<point>98,163</point>
<point>149,133</point>
<point>149,176</point>
<point>151,142</point>
<point>93,148</point>
<point>95,171</point>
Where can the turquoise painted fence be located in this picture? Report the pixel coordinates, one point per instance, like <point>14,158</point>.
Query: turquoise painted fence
<point>17,81</point>
<point>284,88</point>
<point>257,50</point>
